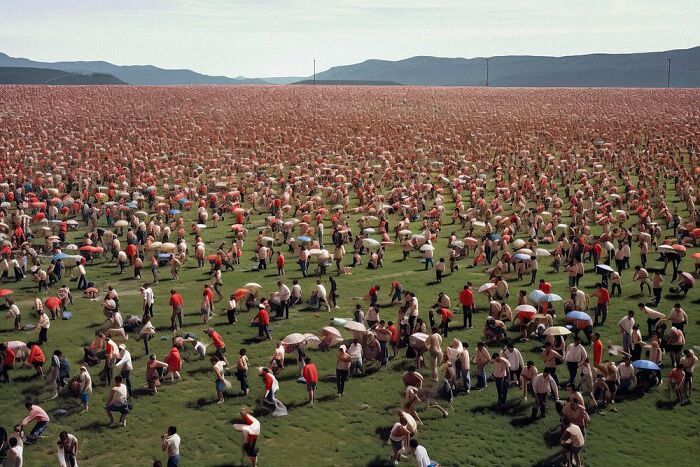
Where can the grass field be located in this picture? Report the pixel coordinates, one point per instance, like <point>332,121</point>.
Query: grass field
<point>349,431</point>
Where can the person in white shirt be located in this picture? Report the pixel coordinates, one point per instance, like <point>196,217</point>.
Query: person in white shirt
<point>575,354</point>
<point>516,361</point>
<point>355,352</point>
<point>625,326</point>
<point>501,369</point>
<point>572,440</point>
<point>321,296</point>
<point>296,293</point>
<point>284,296</point>
<point>82,280</point>
<point>117,326</point>
<point>148,299</point>
<point>15,455</point>
<point>126,367</point>
<point>541,385</point>
<point>170,443</point>
<point>117,402</point>
<point>626,374</point>
<point>420,453</point>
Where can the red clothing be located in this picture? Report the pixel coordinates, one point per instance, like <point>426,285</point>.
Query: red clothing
<point>36,355</point>
<point>394,333</point>
<point>597,352</point>
<point>217,340</point>
<point>597,249</point>
<point>9,357</point>
<point>446,314</point>
<point>209,295</point>
<point>176,300</point>
<point>466,297</point>
<point>280,261</point>
<point>310,373</point>
<point>545,287</point>
<point>263,317</point>
<point>603,296</point>
<point>268,381</point>
<point>173,360</point>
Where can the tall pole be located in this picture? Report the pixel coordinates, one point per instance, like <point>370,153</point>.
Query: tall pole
<point>487,72</point>
<point>314,71</point>
<point>668,75</point>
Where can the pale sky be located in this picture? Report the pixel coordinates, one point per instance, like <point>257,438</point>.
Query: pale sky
<point>258,38</point>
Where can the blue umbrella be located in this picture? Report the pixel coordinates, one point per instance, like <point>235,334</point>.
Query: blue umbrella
<point>58,256</point>
<point>163,256</point>
<point>172,212</point>
<point>604,267</point>
<point>550,297</point>
<point>579,315</point>
<point>183,200</point>
<point>132,205</point>
<point>494,237</point>
<point>535,296</point>
<point>303,238</point>
<point>646,365</point>
<point>521,257</point>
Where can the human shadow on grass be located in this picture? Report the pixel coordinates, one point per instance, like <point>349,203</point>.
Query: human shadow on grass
<point>555,460</point>
<point>379,462</point>
<point>666,405</point>
<point>512,407</point>
<point>552,437</point>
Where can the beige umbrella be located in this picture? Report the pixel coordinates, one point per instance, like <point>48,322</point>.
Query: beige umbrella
<point>121,223</point>
<point>556,331</point>
<point>354,326</point>
<point>168,247</point>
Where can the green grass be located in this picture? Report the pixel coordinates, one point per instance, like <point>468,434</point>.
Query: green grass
<point>349,431</point>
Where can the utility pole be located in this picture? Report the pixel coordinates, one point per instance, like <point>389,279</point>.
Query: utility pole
<point>668,75</point>
<point>487,72</point>
<point>314,71</point>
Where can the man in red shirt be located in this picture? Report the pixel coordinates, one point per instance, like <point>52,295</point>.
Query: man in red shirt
<point>394,338</point>
<point>374,295</point>
<point>263,319</point>
<point>597,350</point>
<point>310,374</point>
<point>545,286</point>
<point>8,361</point>
<point>218,344</point>
<point>446,316</point>
<point>601,309</point>
<point>597,250</point>
<point>176,302</point>
<point>466,298</point>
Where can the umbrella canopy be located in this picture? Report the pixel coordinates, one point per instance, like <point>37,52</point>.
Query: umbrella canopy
<point>535,296</point>
<point>52,303</point>
<point>521,257</point>
<point>371,243</point>
<point>666,248</point>
<point>405,233</point>
<point>689,277</point>
<point>519,243</point>
<point>58,256</point>
<point>240,293</point>
<point>294,339</point>
<point>486,286</point>
<point>550,297</point>
<point>418,339</point>
<point>6,292</point>
<point>331,331</point>
<point>578,315</point>
<point>252,286</point>
<point>471,241</point>
<point>604,267</point>
<point>542,252</point>
<point>267,239</point>
<point>525,251</point>
<point>355,326</point>
<point>369,231</point>
<point>646,365</point>
<point>427,247</point>
<point>525,308</point>
<point>121,223</point>
<point>303,239</point>
<point>173,212</point>
<point>168,246</point>
<point>494,237</point>
<point>556,331</point>
<point>458,244</point>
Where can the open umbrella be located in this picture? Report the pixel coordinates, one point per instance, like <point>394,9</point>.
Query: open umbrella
<point>646,365</point>
<point>604,267</point>
<point>526,308</point>
<point>303,238</point>
<point>267,239</point>
<point>339,321</point>
<point>405,233</point>
<point>168,246</point>
<point>331,331</point>
<point>666,249</point>
<point>542,252</point>
<point>521,257</point>
<point>293,339</point>
<point>121,223</point>
<point>688,276</point>
<point>471,241</point>
<point>52,303</point>
<point>535,296</point>
<point>58,256</point>
<point>556,331</point>
<point>458,244</point>
<point>578,315</point>
<point>525,251</point>
<point>354,326</point>
<point>519,243</point>
<point>6,292</point>
<point>369,231</point>
<point>370,243</point>
<point>427,247</point>
<point>240,293</point>
<point>252,286</point>
<point>550,297</point>
<point>173,212</point>
<point>486,286</point>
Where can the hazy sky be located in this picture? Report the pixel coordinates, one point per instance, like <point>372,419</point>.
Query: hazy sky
<point>282,37</point>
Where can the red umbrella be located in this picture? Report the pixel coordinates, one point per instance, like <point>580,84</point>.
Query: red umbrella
<point>5,292</point>
<point>240,293</point>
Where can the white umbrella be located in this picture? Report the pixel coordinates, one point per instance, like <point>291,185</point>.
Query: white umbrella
<point>405,232</point>
<point>525,251</point>
<point>371,243</point>
<point>252,286</point>
<point>294,339</point>
<point>331,331</point>
<point>121,223</point>
<point>355,326</point>
<point>471,241</point>
<point>458,244</point>
<point>556,331</point>
<point>201,226</point>
<point>519,243</point>
<point>542,252</point>
<point>486,286</point>
<point>427,247</point>
<point>267,239</point>
<point>369,231</point>
<point>141,214</point>
<point>168,246</point>
<point>478,224</point>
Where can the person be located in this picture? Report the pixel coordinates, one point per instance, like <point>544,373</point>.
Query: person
<point>15,454</point>
<point>676,378</point>
<point>176,302</point>
<point>126,367</point>
<point>515,359</point>
<point>117,402</point>
<point>688,361</point>
<point>412,377</point>
<point>527,376</point>
<point>219,344</point>
<point>575,354</point>
<point>270,402</point>
<point>420,453</point>
<point>85,387</point>
<point>481,359</point>
<point>642,275</point>
<point>7,361</point>
<point>217,367</point>
<point>148,300</point>
<point>466,298</point>
<point>575,410</point>
<point>397,436</point>
<point>174,361</point>
<point>242,371</point>
<point>572,440</point>
<point>263,319</point>
<point>550,357</point>
<point>37,414</point>
<point>42,325</point>
<point>170,443</point>
<point>36,358</point>
<point>231,309</point>
<point>625,326</point>
<point>310,375</point>
<point>501,375</point>
<point>284,295</point>
<point>342,369</point>
<point>154,373</point>
<point>434,343</point>
<point>321,295</point>
<point>250,430</point>
<point>67,445</point>
<point>542,384</point>
<point>146,332</point>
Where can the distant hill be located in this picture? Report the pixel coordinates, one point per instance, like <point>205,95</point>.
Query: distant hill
<point>131,74</point>
<point>347,82</point>
<point>26,75</point>
<point>615,70</point>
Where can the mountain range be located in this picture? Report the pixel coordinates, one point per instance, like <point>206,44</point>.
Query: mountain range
<point>649,69</point>
<point>27,75</point>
